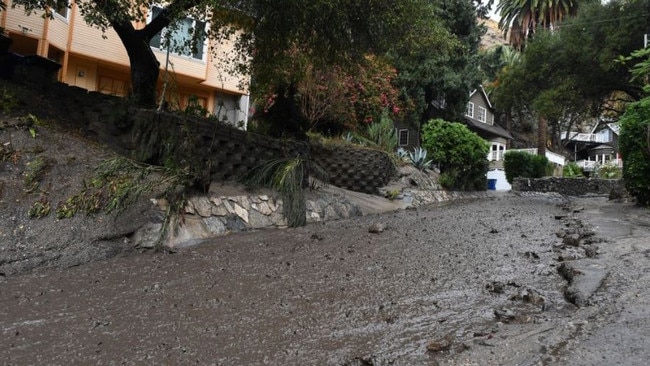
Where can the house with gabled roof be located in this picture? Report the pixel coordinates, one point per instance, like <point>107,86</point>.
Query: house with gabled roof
<point>599,146</point>
<point>479,118</point>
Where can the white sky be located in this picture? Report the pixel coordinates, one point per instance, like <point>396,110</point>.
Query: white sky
<point>493,15</point>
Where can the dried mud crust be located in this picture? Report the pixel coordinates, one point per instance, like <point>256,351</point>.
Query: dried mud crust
<point>433,286</point>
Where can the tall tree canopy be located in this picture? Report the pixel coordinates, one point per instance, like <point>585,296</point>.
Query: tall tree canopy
<point>439,67</point>
<point>329,30</point>
<point>573,72</point>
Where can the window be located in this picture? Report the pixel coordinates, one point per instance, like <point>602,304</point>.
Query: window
<point>108,85</point>
<point>470,109</point>
<point>403,137</point>
<point>496,152</point>
<point>61,7</point>
<point>481,114</point>
<point>186,37</point>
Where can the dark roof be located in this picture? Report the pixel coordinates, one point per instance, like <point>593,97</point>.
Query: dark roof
<point>486,130</point>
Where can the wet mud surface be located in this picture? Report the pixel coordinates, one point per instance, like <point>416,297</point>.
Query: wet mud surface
<point>473,282</point>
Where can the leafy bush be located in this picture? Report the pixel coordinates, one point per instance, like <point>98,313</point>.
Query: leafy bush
<point>608,171</point>
<point>382,134</point>
<point>460,154</point>
<point>525,165</point>
<point>539,165</point>
<point>634,146</point>
<point>572,170</point>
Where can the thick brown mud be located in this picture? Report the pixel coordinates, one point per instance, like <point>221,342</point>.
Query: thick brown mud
<point>460,283</point>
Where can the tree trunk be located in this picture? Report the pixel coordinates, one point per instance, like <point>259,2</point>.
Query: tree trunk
<point>145,68</point>
<point>541,136</point>
<point>508,117</point>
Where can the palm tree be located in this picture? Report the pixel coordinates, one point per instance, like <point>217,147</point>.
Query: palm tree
<point>523,17</point>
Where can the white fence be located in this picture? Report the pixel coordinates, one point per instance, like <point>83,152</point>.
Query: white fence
<point>591,165</point>
<point>551,156</point>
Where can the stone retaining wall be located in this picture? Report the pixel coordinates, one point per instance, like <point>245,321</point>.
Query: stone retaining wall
<point>212,215</point>
<point>570,186</point>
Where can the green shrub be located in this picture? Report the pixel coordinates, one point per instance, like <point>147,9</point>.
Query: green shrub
<point>634,146</point>
<point>608,171</point>
<point>383,134</point>
<point>539,165</point>
<point>460,154</point>
<point>525,165</point>
<point>572,170</point>
<point>446,180</point>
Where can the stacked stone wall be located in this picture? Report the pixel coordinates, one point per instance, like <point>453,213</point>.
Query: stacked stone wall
<point>569,186</point>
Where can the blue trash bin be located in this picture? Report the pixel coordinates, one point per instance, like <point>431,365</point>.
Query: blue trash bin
<point>492,184</point>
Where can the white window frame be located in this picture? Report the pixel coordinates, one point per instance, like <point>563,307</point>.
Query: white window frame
<point>163,33</point>
<point>399,137</point>
<point>497,151</point>
<point>470,110</point>
<point>482,114</point>
<point>56,10</point>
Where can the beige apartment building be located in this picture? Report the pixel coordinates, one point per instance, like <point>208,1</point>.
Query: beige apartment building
<point>97,61</point>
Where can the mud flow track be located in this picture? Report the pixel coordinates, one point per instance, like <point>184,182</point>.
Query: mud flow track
<point>462,283</point>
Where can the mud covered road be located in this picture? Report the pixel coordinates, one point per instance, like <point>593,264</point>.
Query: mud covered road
<point>511,280</point>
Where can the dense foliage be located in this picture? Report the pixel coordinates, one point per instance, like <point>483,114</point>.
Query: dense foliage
<point>460,154</point>
<point>634,146</point>
<point>522,164</point>
<point>575,71</point>
<point>439,67</point>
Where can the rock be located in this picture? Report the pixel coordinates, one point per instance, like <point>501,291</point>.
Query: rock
<point>147,236</point>
<point>202,206</point>
<point>529,296</point>
<point>585,277</point>
<point>215,225</point>
<point>438,345</point>
<point>259,220</point>
<point>571,240</point>
<point>496,287</point>
<point>591,251</point>
<point>262,208</point>
<point>376,228</point>
<point>504,314</point>
<point>241,212</point>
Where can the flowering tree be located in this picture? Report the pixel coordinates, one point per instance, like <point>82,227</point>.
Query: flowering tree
<point>371,91</point>
<point>339,100</point>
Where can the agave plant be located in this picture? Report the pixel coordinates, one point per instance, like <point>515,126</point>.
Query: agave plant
<point>402,154</point>
<point>418,158</point>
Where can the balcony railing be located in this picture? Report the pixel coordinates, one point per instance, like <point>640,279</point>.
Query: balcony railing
<point>586,137</point>
<point>591,165</point>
